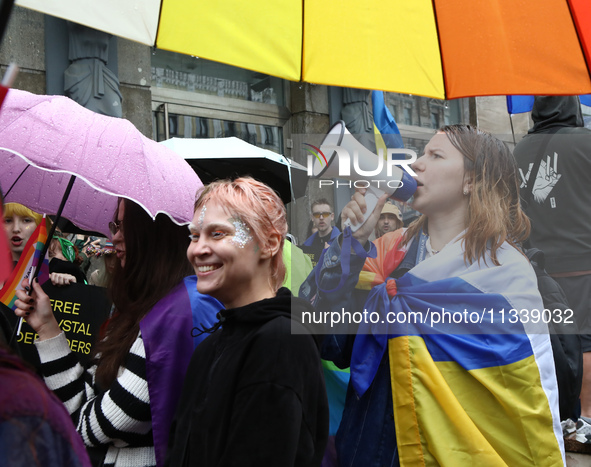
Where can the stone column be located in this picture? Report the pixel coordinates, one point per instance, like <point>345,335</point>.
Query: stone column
<point>309,120</point>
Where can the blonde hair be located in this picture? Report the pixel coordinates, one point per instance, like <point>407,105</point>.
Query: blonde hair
<point>259,207</point>
<point>494,210</point>
<point>16,209</point>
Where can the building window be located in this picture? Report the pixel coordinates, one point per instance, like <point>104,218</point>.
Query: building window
<point>407,115</point>
<point>186,126</point>
<point>434,120</point>
<point>197,98</point>
<point>425,112</point>
<point>196,75</point>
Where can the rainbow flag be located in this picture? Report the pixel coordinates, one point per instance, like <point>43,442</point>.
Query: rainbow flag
<point>25,267</point>
<point>480,390</point>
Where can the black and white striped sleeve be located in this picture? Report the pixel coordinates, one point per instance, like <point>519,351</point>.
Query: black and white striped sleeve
<point>119,415</point>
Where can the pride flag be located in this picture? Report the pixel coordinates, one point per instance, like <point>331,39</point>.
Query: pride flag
<point>479,391</point>
<point>385,129</point>
<point>30,258</point>
<point>169,344</point>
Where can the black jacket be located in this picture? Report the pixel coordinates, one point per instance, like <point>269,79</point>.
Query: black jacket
<point>560,207</point>
<point>254,393</point>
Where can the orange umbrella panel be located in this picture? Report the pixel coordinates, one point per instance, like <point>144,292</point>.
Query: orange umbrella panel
<point>510,47</point>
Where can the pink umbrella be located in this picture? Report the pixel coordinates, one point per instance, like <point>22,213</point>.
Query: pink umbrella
<point>44,140</point>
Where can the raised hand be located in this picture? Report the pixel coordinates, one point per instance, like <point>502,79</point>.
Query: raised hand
<point>355,211</point>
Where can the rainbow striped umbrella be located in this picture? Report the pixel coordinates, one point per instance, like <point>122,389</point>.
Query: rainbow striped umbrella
<point>436,48</point>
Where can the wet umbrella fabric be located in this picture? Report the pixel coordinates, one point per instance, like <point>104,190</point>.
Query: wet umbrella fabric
<point>46,139</point>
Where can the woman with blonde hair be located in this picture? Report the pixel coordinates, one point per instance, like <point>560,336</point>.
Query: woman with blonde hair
<point>255,391</point>
<point>19,223</point>
<point>451,363</point>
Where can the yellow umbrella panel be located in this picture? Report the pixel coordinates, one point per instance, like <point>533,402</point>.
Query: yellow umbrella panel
<point>260,36</point>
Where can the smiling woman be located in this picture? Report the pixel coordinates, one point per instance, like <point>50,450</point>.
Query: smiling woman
<point>229,264</point>
<point>255,394</point>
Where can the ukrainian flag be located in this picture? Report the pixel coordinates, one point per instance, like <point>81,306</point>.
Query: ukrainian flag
<point>385,129</point>
<point>481,391</point>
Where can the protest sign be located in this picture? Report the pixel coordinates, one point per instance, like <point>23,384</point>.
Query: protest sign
<point>80,310</point>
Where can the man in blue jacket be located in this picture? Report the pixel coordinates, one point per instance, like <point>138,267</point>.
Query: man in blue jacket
<point>322,216</point>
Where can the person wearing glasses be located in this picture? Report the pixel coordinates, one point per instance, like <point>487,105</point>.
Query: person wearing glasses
<point>322,216</point>
<point>124,402</point>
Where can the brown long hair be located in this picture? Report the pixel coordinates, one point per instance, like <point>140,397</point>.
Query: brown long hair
<point>494,210</point>
<point>155,262</point>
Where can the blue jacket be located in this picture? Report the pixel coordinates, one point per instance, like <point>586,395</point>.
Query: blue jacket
<point>314,245</point>
<point>366,436</point>
<point>334,233</point>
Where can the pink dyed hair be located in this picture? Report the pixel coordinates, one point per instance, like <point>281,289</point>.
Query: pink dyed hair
<point>259,207</point>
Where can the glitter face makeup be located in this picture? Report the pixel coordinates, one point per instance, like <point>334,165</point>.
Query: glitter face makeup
<point>242,233</point>
<point>225,257</point>
<point>201,217</point>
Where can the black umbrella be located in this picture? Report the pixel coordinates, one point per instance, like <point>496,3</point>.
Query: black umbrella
<point>219,158</point>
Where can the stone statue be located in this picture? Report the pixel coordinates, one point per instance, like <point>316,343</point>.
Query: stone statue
<point>357,116</point>
<point>87,80</point>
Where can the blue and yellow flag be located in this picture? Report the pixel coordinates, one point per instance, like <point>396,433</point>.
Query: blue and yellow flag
<point>385,129</point>
<point>475,386</point>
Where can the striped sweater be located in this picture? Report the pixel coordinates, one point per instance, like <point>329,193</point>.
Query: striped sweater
<point>118,417</point>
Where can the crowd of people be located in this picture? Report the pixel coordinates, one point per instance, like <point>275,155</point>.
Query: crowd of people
<point>207,358</point>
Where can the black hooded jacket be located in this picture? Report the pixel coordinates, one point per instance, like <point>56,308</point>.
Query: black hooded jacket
<point>560,206</point>
<point>254,394</point>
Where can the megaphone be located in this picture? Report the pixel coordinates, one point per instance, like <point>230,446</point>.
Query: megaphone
<point>349,160</point>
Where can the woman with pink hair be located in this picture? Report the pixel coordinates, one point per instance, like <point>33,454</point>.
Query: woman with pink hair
<point>254,393</point>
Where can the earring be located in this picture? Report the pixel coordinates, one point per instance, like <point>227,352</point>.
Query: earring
<point>465,192</point>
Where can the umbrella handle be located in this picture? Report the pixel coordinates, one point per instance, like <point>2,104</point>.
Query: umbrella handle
<point>52,230</point>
